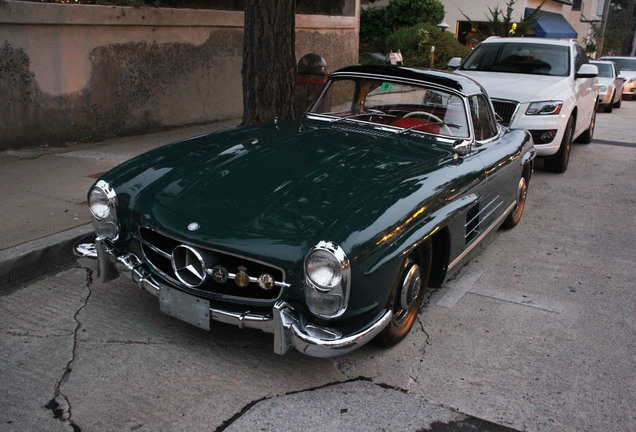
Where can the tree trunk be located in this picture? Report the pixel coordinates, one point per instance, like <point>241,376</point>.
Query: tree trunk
<point>269,61</point>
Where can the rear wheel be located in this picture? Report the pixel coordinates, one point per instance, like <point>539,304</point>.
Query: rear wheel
<point>515,215</point>
<point>559,161</point>
<point>408,296</point>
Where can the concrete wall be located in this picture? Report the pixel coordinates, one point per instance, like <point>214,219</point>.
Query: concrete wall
<point>77,73</point>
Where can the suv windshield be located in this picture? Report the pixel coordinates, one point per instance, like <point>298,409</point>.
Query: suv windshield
<point>625,64</point>
<point>524,58</point>
<point>604,70</point>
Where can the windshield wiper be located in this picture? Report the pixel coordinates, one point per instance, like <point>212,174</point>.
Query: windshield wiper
<point>349,117</point>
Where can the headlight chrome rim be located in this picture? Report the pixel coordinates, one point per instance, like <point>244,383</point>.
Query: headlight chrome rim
<point>339,286</point>
<point>102,203</point>
<point>108,196</point>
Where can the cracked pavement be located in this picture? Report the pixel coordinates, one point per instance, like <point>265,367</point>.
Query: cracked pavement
<point>539,336</point>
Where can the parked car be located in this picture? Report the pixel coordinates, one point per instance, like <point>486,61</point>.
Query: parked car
<point>610,85</point>
<point>324,232</point>
<point>627,67</point>
<point>544,85</point>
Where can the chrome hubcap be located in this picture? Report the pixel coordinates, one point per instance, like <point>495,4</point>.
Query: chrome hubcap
<point>411,286</point>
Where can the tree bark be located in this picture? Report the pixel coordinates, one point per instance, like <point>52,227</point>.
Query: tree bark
<point>269,61</point>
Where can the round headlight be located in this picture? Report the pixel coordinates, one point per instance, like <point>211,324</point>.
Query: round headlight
<point>98,203</point>
<point>323,269</point>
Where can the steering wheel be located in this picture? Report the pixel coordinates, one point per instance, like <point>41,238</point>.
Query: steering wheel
<point>431,117</point>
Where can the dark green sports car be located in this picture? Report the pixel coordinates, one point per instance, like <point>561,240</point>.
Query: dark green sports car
<point>324,232</point>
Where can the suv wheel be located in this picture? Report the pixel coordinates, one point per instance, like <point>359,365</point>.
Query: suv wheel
<point>559,161</point>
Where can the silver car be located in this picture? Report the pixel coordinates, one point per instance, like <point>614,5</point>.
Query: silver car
<point>610,85</point>
<point>627,69</point>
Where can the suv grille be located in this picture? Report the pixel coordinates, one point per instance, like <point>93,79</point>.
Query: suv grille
<point>158,250</point>
<point>505,109</point>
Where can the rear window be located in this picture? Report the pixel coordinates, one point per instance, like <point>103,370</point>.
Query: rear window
<point>523,58</point>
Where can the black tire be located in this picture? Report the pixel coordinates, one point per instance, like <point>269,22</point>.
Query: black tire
<point>559,161</point>
<point>408,296</point>
<point>608,108</point>
<point>586,137</point>
<point>515,215</point>
<point>617,104</point>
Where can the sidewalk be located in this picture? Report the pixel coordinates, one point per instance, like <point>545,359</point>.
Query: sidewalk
<point>43,195</point>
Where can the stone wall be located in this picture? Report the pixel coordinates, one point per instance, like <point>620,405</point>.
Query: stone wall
<point>73,73</point>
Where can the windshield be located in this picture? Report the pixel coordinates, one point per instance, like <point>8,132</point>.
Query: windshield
<point>604,70</point>
<point>524,58</point>
<point>386,102</point>
<point>624,64</point>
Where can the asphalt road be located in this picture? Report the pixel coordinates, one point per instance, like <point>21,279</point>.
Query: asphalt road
<point>537,333</point>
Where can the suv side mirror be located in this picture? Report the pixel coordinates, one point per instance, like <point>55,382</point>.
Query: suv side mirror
<point>454,62</point>
<point>587,71</point>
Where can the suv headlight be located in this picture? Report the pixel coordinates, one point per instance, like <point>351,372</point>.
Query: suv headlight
<point>102,202</point>
<point>552,107</point>
<point>327,280</point>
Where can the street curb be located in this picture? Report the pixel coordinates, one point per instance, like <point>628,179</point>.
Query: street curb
<point>30,260</point>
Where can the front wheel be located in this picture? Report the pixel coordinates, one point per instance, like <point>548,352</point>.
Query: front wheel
<point>559,161</point>
<point>408,295</point>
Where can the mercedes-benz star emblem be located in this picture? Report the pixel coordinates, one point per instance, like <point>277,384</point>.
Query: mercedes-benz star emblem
<point>188,265</point>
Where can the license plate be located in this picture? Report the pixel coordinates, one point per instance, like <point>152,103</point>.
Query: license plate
<point>185,307</point>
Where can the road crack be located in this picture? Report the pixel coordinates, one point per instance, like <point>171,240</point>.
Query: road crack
<point>227,423</point>
<point>60,405</point>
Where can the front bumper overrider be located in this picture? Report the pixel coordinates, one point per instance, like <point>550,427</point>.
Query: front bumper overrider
<point>290,328</point>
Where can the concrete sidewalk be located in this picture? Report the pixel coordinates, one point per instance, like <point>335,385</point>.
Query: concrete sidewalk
<point>44,191</point>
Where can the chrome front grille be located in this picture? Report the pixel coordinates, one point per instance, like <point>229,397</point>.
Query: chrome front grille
<point>159,252</point>
<point>506,109</point>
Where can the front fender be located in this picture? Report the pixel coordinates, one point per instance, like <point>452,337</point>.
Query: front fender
<point>423,231</point>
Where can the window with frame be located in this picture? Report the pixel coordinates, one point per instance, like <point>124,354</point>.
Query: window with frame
<point>484,123</point>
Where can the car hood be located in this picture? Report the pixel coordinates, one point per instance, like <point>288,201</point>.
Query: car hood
<point>282,181</point>
<point>628,75</point>
<point>519,87</point>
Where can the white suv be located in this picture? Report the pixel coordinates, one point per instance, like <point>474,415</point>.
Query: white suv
<point>546,86</point>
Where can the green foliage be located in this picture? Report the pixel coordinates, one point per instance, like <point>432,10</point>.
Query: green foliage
<point>407,13</point>
<point>415,45</point>
<point>503,24</point>
<point>376,24</point>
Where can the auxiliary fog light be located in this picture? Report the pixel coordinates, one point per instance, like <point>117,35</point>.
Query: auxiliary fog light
<point>266,281</point>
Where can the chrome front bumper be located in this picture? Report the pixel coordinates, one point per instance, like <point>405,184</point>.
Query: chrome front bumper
<point>290,328</point>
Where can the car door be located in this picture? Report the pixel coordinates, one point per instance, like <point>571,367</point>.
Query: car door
<point>497,154</point>
<point>585,92</point>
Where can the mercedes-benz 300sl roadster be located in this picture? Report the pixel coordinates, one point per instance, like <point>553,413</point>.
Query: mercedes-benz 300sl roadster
<point>325,232</point>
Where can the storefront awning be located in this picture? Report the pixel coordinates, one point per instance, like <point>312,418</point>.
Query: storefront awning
<point>552,25</point>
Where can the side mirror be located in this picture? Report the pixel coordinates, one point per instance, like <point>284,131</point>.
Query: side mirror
<point>622,78</point>
<point>587,71</point>
<point>454,62</point>
<point>462,148</point>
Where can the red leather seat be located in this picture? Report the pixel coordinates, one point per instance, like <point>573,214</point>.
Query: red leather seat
<point>420,124</point>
